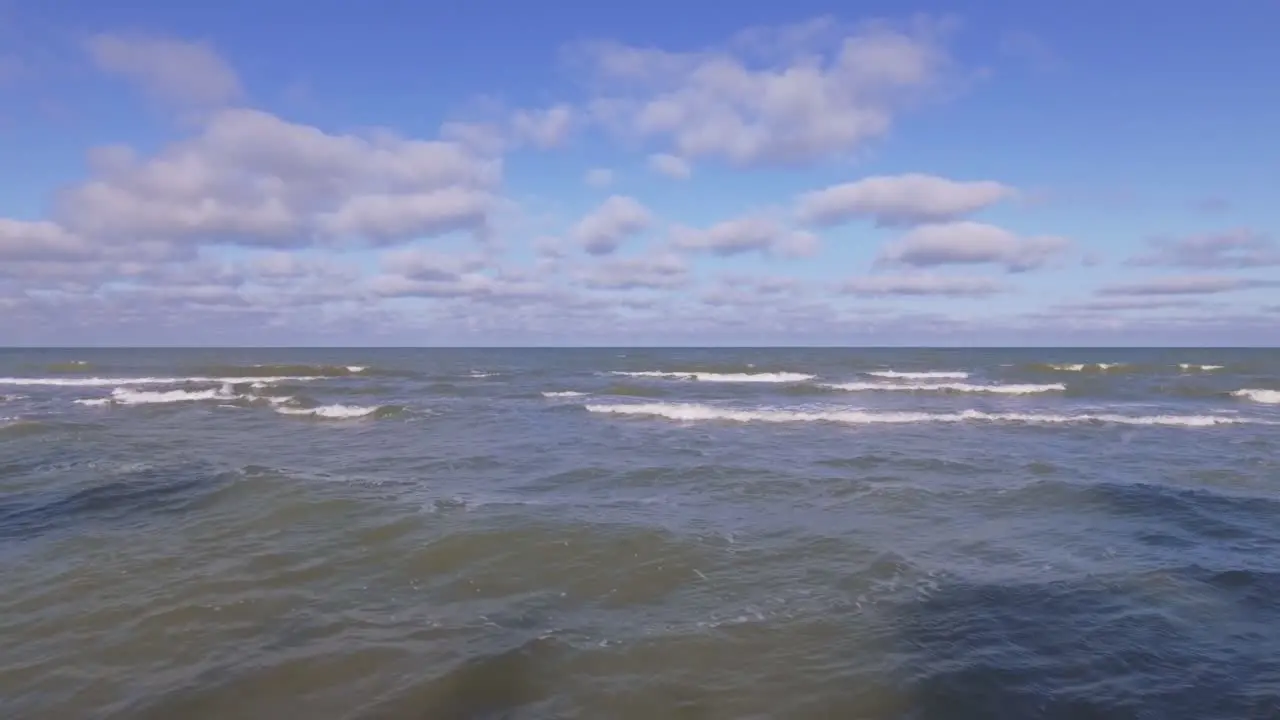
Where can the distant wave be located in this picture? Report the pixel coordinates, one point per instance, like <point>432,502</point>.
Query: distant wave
<point>948,387</point>
<point>1079,367</point>
<point>340,412</point>
<point>106,381</point>
<point>272,370</point>
<point>1204,368</point>
<point>127,396</point>
<point>931,375</point>
<point>1270,397</point>
<point>563,394</point>
<point>695,412</point>
<point>765,377</point>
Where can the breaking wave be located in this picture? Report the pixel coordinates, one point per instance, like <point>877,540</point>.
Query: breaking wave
<point>931,375</point>
<point>765,377</point>
<point>563,394</point>
<point>108,381</point>
<point>690,412</point>
<point>341,412</point>
<point>1189,367</point>
<point>259,371</point>
<point>1270,397</point>
<point>948,388</point>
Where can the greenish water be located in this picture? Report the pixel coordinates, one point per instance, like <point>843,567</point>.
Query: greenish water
<point>726,533</point>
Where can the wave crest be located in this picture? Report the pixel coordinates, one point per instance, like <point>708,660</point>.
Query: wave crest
<point>690,412</point>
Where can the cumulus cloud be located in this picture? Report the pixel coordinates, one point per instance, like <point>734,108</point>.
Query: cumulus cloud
<point>599,177</point>
<point>1124,304</point>
<point>544,128</point>
<point>1238,249</point>
<point>39,240</point>
<point>616,220</point>
<point>1187,285</point>
<point>745,234</point>
<point>967,242</point>
<point>923,284</point>
<point>909,199</point>
<point>657,272</point>
<point>795,94</point>
<point>671,166</point>
<point>251,178</point>
<point>174,71</point>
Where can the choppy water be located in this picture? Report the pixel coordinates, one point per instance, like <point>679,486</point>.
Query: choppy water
<point>421,534</point>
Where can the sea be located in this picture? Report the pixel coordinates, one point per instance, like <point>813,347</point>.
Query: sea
<point>438,534</point>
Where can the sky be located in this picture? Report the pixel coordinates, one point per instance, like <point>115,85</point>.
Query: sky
<point>561,173</point>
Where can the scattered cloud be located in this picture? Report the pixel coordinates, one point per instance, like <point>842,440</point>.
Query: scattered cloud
<point>966,242</point>
<point>1187,285</point>
<point>39,240</point>
<point>670,166</point>
<point>656,272</point>
<point>250,178</point>
<point>598,177</point>
<point>181,72</point>
<point>544,128</point>
<point>1237,249</point>
<point>1125,304</point>
<point>910,199</point>
<point>616,220</point>
<point>771,96</point>
<point>924,284</point>
<point>757,232</point>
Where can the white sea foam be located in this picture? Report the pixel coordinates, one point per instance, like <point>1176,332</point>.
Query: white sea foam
<point>949,387</point>
<point>774,377</point>
<point>125,396</point>
<point>1206,368</point>
<point>563,394</point>
<point>933,375</point>
<point>333,412</point>
<point>1270,397</point>
<point>106,381</point>
<point>356,369</point>
<point>1081,367</point>
<point>694,412</point>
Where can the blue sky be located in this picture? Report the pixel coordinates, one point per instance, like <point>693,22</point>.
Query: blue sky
<point>661,173</point>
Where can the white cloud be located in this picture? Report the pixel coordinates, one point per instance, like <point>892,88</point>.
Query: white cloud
<point>175,71</point>
<point>924,284</point>
<point>670,166</point>
<point>745,234</point>
<point>800,93</point>
<point>617,219</point>
<point>253,179</point>
<point>909,199</point>
<point>967,242</point>
<point>1187,285</point>
<point>1239,249</point>
<point>39,240</point>
<point>657,272</point>
<point>599,177</point>
<point>544,128</point>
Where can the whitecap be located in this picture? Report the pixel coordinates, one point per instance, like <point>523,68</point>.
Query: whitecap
<point>106,381</point>
<point>1026,389</point>
<point>931,375</point>
<point>690,412</point>
<point>334,412</point>
<point>563,394</point>
<point>1270,397</point>
<point>774,377</point>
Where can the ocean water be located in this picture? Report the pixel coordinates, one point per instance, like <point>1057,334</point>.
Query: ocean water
<point>729,533</point>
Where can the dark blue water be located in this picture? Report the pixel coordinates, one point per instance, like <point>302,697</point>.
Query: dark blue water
<point>640,534</point>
